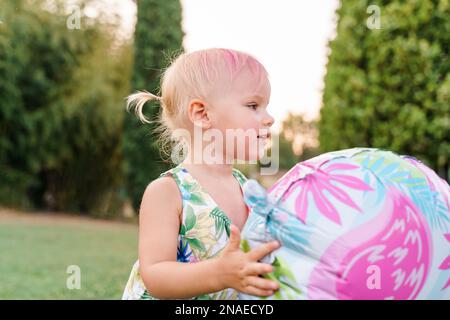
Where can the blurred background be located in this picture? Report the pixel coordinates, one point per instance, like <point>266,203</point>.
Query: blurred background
<point>74,164</point>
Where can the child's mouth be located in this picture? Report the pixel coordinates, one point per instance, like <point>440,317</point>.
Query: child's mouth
<point>264,136</point>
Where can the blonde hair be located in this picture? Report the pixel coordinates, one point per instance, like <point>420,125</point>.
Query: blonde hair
<point>190,76</point>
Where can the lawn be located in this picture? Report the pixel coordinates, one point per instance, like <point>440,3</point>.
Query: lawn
<point>37,249</point>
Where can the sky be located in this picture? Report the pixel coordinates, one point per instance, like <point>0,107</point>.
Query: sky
<point>289,37</point>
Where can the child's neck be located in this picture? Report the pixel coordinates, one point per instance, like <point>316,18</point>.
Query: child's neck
<point>212,168</point>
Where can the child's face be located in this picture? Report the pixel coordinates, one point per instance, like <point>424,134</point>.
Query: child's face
<point>243,106</point>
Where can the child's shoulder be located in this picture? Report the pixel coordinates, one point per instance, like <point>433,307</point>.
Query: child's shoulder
<point>161,191</point>
<point>162,185</point>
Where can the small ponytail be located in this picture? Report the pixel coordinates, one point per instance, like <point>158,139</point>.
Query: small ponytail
<point>137,101</point>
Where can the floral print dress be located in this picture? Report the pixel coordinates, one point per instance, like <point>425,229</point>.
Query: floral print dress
<point>204,232</point>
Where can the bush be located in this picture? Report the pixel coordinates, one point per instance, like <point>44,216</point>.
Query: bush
<point>389,87</point>
<point>61,108</point>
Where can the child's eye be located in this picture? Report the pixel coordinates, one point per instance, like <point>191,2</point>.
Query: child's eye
<point>252,106</point>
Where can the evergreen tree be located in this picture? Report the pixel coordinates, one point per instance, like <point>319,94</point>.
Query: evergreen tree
<point>389,87</point>
<point>158,35</point>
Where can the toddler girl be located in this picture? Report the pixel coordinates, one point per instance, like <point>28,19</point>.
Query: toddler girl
<point>191,216</point>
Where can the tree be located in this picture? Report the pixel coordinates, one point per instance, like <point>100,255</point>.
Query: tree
<point>389,87</point>
<point>158,33</point>
<point>61,95</point>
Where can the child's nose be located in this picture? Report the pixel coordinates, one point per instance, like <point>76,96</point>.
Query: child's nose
<point>268,120</point>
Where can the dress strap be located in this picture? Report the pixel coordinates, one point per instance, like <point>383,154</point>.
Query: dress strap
<point>239,176</point>
<point>173,172</point>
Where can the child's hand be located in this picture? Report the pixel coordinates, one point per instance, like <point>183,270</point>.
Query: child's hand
<point>241,270</point>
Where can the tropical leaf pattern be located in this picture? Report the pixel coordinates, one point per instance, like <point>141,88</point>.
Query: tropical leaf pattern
<point>204,232</point>
<point>281,273</point>
<point>222,222</point>
<point>410,176</point>
<point>323,180</point>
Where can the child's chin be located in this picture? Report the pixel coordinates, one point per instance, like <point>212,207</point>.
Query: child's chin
<point>251,158</point>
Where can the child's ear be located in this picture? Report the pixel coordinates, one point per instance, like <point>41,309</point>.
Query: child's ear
<point>198,114</point>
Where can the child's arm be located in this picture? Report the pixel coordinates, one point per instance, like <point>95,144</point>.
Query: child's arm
<point>165,278</point>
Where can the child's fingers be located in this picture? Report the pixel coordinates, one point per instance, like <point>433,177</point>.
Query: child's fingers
<point>257,292</point>
<point>263,250</point>
<point>235,237</point>
<point>261,283</point>
<point>257,268</point>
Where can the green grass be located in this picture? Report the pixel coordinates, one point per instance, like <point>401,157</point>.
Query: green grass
<point>34,258</point>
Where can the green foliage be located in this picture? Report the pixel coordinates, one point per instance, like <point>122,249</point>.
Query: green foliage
<point>61,109</point>
<point>287,157</point>
<point>158,34</point>
<point>389,87</point>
